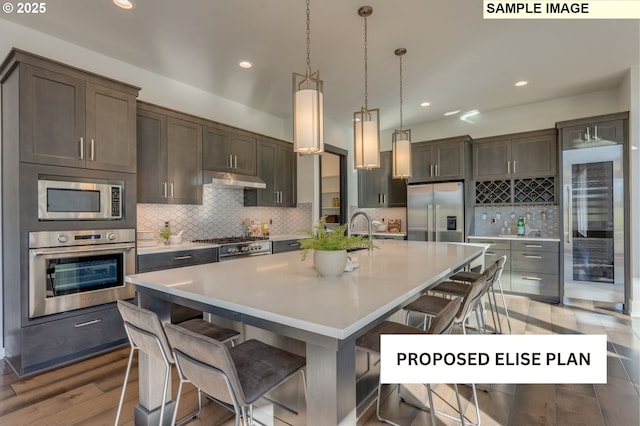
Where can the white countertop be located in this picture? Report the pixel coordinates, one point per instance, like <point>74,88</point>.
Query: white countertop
<point>283,289</point>
<point>513,237</point>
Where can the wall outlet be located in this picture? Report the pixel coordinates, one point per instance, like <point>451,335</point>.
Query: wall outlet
<point>493,220</point>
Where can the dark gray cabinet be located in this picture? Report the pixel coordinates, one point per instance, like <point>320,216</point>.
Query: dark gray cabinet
<point>530,154</point>
<point>594,131</point>
<point>277,167</point>
<point>377,188</point>
<point>70,121</point>
<point>228,150</point>
<point>441,160</point>
<point>169,157</point>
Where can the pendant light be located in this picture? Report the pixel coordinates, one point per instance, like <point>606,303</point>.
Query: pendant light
<point>308,107</point>
<point>401,139</point>
<point>366,126</point>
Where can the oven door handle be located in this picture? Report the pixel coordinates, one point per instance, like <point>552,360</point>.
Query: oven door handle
<point>82,249</point>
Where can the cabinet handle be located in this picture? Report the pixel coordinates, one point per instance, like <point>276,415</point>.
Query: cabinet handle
<point>171,187</point>
<point>530,256</point>
<point>92,150</point>
<point>230,161</point>
<point>532,246</point>
<point>595,133</point>
<point>532,278</point>
<point>436,167</point>
<point>514,167</point>
<point>294,244</point>
<point>235,161</point>
<point>588,138</point>
<point>384,198</point>
<point>86,323</point>
<point>431,170</point>
<point>81,148</point>
<point>508,167</point>
<point>187,256</point>
<point>164,189</point>
<point>489,253</point>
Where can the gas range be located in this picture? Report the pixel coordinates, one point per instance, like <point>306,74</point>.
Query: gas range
<point>235,247</point>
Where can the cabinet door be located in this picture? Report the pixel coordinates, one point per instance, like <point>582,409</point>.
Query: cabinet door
<point>370,188</point>
<point>52,114</point>
<point>110,129</point>
<point>216,153</point>
<point>267,172</point>
<point>596,134</point>
<point>152,158</point>
<point>449,161</point>
<point>491,160</point>
<point>394,191</point>
<point>534,156</point>
<point>244,154</point>
<point>184,159</point>
<point>286,175</point>
<point>422,163</point>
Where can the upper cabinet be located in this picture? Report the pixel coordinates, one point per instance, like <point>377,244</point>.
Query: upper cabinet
<point>528,154</point>
<point>169,157</point>
<point>590,132</point>
<point>518,168</point>
<point>229,150</point>
<point>377,188</point>
<point>71,118</point>
<point>276,166</point>
<point>440,160</point>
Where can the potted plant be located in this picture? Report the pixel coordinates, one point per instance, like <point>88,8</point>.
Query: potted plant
<point>330,247</point>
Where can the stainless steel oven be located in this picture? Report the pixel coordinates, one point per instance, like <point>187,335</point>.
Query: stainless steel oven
<point>68,198</point>
<point>77,269</point>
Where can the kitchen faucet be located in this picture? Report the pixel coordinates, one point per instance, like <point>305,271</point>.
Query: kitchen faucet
<point>369,225</point>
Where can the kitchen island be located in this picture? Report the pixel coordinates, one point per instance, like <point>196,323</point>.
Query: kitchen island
<point>282,294</point>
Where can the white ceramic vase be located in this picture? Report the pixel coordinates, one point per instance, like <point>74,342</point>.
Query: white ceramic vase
<point>330,263</point>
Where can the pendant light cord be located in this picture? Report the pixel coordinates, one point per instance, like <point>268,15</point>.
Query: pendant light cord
<point>308,40</point>
<point>400,93</point>
<point>366,86</point>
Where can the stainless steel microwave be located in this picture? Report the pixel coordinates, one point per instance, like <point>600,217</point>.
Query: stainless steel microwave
<point>79,199</point>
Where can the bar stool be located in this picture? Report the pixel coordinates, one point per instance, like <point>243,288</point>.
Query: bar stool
<point>146,334</point>
<point>234,377</point>
<point>469,276</point>
<point>441,324</point>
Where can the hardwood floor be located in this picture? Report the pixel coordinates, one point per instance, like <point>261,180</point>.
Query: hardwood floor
<point>87,392</point>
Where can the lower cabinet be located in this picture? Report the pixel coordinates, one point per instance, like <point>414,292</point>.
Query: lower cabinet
<point>60,341</point>
<point>175,259</point>
<point>284,246</point>
<point>532,268</point>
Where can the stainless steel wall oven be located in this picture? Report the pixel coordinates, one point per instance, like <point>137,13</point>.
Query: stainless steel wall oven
<point>76,269</point>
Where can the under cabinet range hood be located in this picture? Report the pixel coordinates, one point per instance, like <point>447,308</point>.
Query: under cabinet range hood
<point>231,180</point>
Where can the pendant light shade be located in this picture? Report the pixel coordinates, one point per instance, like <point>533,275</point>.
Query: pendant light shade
<point>366,123</point>
<point>308,114</point>
<point>401,139</point>
<point>308,106</point>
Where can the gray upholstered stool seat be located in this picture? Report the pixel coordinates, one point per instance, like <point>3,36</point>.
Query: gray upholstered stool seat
<point>235,377</point>
<point>370,341</point>
<point>451,287</point>
<point>206,328</point>
<point>465,276</point>
<point>427,305</point>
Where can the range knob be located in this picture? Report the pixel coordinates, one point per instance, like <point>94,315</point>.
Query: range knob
<point>111,236</point>
<point>62,238</point>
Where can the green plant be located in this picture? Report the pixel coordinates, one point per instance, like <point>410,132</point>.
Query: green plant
<point>320,238</point>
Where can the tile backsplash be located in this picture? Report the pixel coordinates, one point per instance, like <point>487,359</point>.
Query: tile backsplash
<point>386,213</point>
<point>221,214</point>
<point>545,218</point>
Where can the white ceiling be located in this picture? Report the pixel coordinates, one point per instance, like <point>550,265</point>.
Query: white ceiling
<point>455,59</point>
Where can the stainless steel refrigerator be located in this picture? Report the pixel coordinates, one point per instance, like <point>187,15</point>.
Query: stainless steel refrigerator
<point>435,212</point>
<point>594,225</point>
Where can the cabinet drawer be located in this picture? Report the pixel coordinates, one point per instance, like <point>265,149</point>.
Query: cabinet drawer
<point>535,284</point>
<point>176,259</point>
<point>550,246</point>
<point>284,246</point>
<point>495,244</point>
<point>492,255</point>
<point>54,341</point>
<point>532,261</point>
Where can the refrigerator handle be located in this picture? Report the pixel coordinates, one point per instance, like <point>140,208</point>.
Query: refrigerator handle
<point>435,222</point>
<point>569,215</point>
<point>429,221</point>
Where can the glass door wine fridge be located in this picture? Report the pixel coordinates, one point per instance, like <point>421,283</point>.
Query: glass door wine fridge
<point>593,225</point>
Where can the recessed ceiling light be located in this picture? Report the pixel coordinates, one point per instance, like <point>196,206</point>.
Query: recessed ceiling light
<point>521,83</point>
<point>446,114</point>
<point>425,104</point>
<point>124,4</point>
<point>245,64</point>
